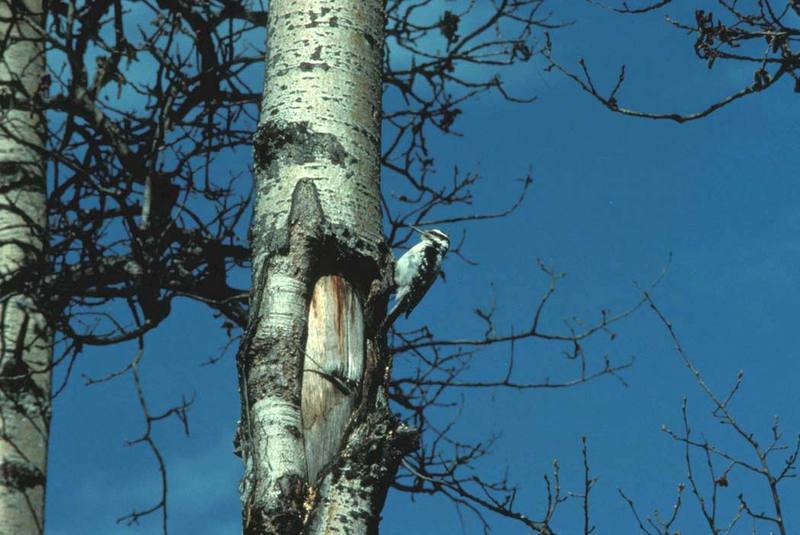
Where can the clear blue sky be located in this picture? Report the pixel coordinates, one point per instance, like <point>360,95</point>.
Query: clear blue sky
<point>613,197</point>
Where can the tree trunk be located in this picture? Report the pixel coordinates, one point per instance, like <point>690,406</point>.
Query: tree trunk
<point>25,340</point>
<point>319,443</point>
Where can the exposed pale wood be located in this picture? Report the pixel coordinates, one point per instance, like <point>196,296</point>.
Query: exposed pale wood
<point>334,362</point>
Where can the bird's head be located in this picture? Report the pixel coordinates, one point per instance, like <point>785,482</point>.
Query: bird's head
<point>435,236</point>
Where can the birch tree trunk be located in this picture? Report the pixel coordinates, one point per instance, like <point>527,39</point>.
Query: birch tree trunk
<point>25,340</point>
<point>319,443</point>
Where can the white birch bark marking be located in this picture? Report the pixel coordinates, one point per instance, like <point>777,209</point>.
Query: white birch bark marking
<point>323,69</point>
<point>317,202</point>
<point>25,348</point>
<point>273,415</point>
<point>271,418</point>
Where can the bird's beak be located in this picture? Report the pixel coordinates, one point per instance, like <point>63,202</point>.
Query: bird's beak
<point>417,229</point>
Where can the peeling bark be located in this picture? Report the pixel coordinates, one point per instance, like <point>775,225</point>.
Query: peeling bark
<point>319,443</point>
<point>25,339</point>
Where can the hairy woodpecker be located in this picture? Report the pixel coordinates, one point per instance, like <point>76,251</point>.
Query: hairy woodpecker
<point>417,269</point>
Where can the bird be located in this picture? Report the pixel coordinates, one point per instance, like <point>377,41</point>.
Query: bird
<point>416,271</point>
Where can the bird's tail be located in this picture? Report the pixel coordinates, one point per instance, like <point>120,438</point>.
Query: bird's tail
<point>392,316</point>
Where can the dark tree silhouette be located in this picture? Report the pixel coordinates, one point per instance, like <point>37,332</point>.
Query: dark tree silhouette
<point>763,34</point>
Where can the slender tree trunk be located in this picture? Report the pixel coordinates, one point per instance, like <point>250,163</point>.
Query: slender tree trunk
<point>319,443</point>
<point>25,341</point>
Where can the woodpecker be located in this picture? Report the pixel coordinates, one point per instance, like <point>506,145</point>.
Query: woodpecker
<point>417,269</point>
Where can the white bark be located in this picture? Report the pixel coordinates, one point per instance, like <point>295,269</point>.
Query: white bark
<point>321,114</point>
<point>319,443</point>
<point>25,348</point>
<point>272,440</point>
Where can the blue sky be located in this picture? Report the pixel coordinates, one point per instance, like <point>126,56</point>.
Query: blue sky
<point>613,197</point>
